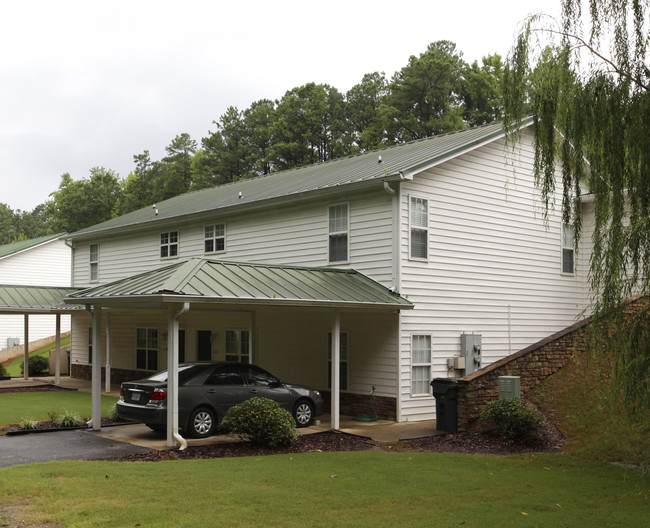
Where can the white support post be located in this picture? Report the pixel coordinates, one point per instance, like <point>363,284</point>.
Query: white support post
<point>26,348</point>
<point>96,376</point>
<point>107,387</point>
<point>57,354</point>
<point>336,369</point>
<point>172,377</point>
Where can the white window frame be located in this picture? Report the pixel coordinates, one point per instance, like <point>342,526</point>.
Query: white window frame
<point>210,236</point>
<point>149,346</point>
<point>417,226</point>
<point>93,262</point>
<point>418,365</point>
<point>170,245</point>
<point>344,353</point>
<point>241,342</point>
<point>336,229</point>
<point>568,248</point>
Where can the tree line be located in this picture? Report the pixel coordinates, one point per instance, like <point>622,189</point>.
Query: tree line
<point>434,93</point>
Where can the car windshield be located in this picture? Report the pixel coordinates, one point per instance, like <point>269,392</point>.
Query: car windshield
<point>183,372</point>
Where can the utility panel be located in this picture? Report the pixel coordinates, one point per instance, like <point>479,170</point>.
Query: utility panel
<point>13,341</point>
<point>509,387</point>
<point>470,349</point>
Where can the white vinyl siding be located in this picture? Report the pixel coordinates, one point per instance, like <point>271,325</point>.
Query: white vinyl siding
<point>291,235</point>
<point>48,264</point>
<point>493,263</point>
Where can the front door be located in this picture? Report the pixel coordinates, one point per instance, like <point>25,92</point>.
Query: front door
<point>204,345</point>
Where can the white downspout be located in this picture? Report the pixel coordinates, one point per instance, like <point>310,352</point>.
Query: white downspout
<point>172,378</point>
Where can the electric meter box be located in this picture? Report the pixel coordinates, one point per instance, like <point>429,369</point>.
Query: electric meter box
<point>471,350</point>
<point>509,387</point>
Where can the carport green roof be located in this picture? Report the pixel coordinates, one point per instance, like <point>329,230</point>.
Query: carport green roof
<point>397,163</point>
<point>36,299</point>
<point>222,282</point>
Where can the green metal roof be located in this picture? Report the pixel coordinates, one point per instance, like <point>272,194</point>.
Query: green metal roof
<point>397,162</point>
<point>212,281</point>
<point>17,247</point>
<point>36,299</point>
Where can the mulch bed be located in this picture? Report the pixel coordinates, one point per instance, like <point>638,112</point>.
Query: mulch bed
<point>35,388</point>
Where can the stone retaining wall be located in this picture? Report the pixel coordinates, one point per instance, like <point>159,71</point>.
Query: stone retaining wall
<point>532,364</point>
<point>8,354</point>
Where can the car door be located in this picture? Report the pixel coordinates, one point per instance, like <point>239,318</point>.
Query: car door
<point>225,387</point>
<point>265,385</point>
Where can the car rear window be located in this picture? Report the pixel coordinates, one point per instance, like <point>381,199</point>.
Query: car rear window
<point>184,373</point>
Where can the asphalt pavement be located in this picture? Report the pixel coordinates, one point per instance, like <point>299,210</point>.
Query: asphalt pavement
<point>61,445</point>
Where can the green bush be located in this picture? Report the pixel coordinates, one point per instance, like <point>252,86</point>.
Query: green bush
<point>37,365</point>
<point>3,372</point>
<point>516,421</point>
<point>261,421</point>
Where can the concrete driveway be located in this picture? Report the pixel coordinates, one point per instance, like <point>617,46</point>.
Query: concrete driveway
<point>61,445</point>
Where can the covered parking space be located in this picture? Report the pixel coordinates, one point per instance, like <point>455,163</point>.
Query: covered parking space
<point>38,300</point>
<point>184,287</point>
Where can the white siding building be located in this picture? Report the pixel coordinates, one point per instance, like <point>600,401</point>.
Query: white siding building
<point>453,224</point>
<point>44,261</point>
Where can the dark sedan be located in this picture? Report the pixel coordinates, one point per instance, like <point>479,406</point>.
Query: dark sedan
<point>205,393</point>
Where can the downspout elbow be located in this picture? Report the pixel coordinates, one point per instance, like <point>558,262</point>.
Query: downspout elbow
<point>181,441</point>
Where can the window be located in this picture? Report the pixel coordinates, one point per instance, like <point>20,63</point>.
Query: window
<point>238,346</point>
<point>568,262</point>
<point>343,363</point>
<point>338,233</point>
<point>94,262</point>
<point>147,348</point>
<point>420,364</point>
<point>169,244</point>
<point>215,238</point>
<point>419,228</point>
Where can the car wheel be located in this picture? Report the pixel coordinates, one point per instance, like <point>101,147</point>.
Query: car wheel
<point>202,422</point>
<point>157,427</point>
<point>303,413</point>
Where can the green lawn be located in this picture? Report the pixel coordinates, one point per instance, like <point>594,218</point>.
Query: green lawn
<point>329,489</point>
<point>14,366</point>
<point>14,406</point>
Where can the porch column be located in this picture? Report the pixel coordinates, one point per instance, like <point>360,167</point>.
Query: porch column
<point>96,378</point>
<point>336,368</point>
<point>26,348</point>
<point>172,375</point>
<point>107,387</point>
<point>57,353</point>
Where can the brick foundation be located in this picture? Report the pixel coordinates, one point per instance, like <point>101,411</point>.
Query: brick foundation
<point>533,364</point>
<point>117,375</point>
<point>359,405</point>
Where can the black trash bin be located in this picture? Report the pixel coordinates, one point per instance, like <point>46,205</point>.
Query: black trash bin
<point>445,390</point>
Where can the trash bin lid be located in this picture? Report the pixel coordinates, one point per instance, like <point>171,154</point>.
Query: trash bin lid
<point>442,385</point>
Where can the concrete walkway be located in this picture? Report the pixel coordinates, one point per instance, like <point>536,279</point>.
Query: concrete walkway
<point>380,431</point>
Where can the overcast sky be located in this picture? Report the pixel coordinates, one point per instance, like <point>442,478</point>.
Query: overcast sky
<point>91,83</point>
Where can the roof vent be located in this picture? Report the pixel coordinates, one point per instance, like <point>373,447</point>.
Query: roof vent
<point>379,160</point>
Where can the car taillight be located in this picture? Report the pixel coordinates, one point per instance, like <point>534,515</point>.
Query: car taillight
<point>158,395</point>
<point>121,394</point>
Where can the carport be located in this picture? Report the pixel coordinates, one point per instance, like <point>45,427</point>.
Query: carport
<point>178,288</point>
<point>38,300</point>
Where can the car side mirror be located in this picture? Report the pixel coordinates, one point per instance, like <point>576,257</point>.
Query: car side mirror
<point>275,384</point>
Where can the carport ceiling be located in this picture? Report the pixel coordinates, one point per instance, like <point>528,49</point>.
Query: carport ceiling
<point>212,281</point>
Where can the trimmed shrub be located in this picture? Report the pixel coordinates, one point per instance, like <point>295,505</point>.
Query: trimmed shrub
<point>3,372</point>
<point>261,421</point>
<point>37,365</point>
<point>517,422</point>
